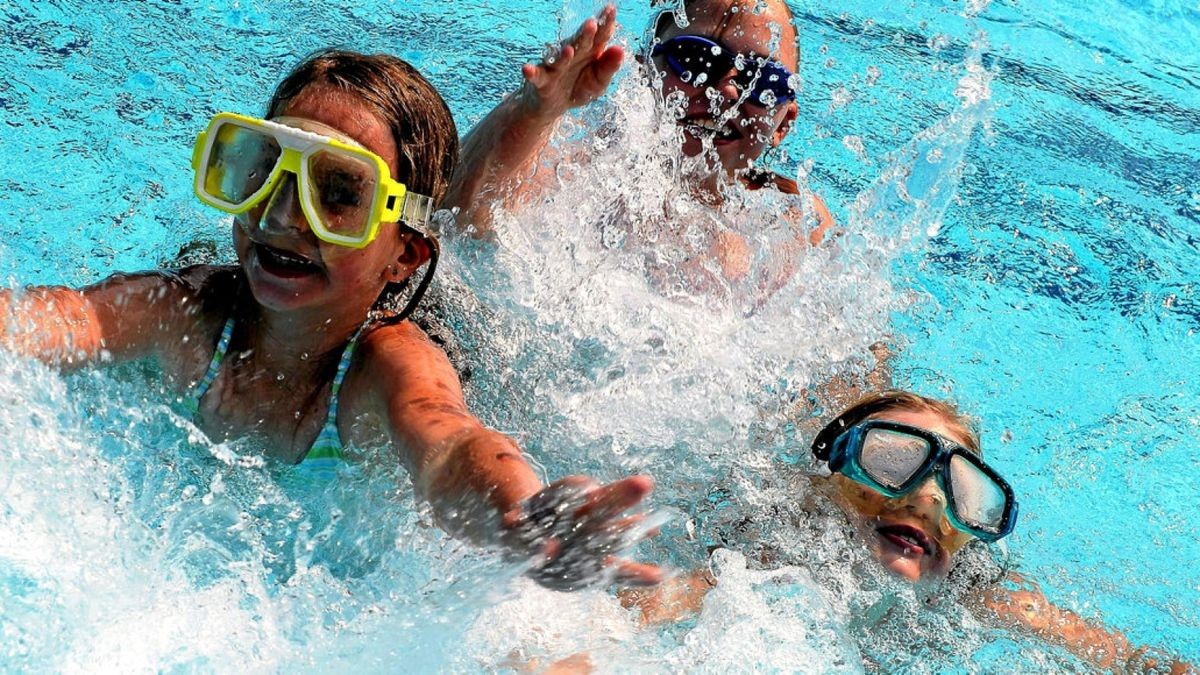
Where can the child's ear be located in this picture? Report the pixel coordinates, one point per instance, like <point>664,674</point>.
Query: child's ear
<point>785,126</point>
<point>415,252</point>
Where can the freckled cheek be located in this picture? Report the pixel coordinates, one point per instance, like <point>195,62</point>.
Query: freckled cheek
<point>353,267</point>
<point>951,539</point>
<point>866,501</point>
<point>241,243</point>
<point>759,129</point>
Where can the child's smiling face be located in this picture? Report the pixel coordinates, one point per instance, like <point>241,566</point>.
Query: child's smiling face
<point>910,535</point>
<point>287,267</point>
<point>746,129</point>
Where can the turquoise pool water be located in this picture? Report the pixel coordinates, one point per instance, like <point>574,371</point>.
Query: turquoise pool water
<point>1044,280</point>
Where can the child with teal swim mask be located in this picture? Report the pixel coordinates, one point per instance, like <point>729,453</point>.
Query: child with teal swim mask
<point>908,475</point>
<point>303,345</point>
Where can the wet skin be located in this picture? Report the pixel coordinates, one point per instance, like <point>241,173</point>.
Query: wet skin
<point>911,535</point>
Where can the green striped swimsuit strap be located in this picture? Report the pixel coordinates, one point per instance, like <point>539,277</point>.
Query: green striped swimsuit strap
<point>327,449</point>
<point>192,401</point>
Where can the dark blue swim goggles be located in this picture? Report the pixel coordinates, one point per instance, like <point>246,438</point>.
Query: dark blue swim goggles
<point>693,56</point>
<point>894,459</point>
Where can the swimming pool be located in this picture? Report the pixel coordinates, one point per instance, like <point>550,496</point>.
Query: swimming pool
<point>1056,301</point>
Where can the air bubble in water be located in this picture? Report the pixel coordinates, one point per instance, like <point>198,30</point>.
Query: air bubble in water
<point>840,98</point>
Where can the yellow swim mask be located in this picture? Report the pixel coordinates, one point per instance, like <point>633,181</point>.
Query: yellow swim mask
<point>345,191</point>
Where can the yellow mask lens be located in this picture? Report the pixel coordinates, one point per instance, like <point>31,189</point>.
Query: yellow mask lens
<point>345,190</point>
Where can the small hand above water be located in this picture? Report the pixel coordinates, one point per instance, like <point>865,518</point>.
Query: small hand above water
<point>578,73</point>
<point>575,528</point>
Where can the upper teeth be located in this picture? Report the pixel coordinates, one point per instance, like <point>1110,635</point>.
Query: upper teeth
<point>708,125</point>
<point>288,256</point>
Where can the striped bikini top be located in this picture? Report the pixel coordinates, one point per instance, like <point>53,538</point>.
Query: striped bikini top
<point>325,455</point>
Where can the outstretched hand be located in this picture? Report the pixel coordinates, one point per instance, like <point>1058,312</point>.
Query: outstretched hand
<point>578,73</point>
<point>574,528</point>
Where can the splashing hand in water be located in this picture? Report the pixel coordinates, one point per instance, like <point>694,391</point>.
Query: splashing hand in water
<point>725,125</point>
<point>511,138</point>
<point>573,530</point>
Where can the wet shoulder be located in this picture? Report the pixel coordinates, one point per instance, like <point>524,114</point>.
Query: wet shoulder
<point>814,215</point>
<point>401,346</point>
<point>398,363</point>
<point>196,302</point>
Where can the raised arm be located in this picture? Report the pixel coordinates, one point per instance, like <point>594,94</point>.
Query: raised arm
<point>502,150</point>
<point>478,482</point>
<point>1029,611</point>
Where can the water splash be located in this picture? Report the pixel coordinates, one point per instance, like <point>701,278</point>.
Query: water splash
<point>118,518</point>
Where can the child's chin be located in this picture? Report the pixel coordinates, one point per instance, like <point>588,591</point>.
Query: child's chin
<point>908,569</point>
<point>912,569</point>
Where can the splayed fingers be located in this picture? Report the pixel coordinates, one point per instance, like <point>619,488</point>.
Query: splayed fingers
<point>574,529</point>
<point>580,70</point>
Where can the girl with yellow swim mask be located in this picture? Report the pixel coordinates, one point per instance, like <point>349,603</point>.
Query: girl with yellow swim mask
<point>303,346</point>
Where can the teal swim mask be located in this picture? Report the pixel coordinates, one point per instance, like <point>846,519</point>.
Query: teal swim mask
<point>894,459</point>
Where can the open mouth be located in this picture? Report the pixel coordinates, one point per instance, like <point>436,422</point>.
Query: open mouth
<point>702,127</point>
<point>908,538</point>
<point>281,263</point>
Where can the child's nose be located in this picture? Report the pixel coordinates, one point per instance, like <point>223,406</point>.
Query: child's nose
<point>728,87</point>
<point>927,499</point>
<point>284,214</point>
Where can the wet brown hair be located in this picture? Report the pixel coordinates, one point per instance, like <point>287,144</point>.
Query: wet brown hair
<point>895,399</point>
<point>688,4</point>
<point>420,121</point>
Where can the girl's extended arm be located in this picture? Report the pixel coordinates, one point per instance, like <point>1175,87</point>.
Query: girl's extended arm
<point>502,148</point>
<point>477,480</point>
<point>122,317</point>
<point>1029,611</point>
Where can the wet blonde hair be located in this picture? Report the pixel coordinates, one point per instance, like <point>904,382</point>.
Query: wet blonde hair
<point>659,23</point>
<point>895,399</point>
